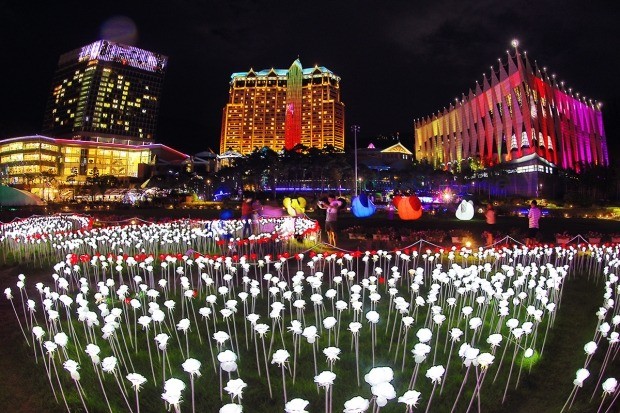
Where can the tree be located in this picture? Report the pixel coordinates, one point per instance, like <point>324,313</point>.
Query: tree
<point>97,184</point>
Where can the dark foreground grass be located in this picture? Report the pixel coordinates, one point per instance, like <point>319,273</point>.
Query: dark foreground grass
<point>544,389</point>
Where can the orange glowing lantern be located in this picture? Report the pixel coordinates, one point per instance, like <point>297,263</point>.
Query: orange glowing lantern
<point>409,208</point>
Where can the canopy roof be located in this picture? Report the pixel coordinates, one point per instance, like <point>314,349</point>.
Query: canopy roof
<point>10,196</point>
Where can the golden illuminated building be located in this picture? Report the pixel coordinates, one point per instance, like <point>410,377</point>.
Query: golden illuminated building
<point>45,165</point>
<point>279,108</point>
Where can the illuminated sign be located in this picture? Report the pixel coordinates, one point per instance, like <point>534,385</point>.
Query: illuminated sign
<point>126,55</point>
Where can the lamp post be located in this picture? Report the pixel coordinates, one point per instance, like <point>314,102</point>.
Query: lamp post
<point>355,129</point>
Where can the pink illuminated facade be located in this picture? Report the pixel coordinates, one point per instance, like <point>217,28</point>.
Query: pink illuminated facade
<point>518,111</point>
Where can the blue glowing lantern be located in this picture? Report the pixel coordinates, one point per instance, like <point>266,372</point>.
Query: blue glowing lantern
<point>362,207</point>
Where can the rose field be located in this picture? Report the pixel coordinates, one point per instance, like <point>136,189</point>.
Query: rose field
<point>186,316</point>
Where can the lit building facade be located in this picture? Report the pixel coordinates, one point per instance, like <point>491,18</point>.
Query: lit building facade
<point>46,165</point>
<point>106,91</point>
<point>518,113</point>
<point>280,108</point>
<point>394,157</point>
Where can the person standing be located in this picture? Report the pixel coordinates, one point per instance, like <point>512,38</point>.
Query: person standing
<point>331,218</point>
<point>533,217</point>
<point>489,216</point>
<point>257,212</point>
<point>246,215</point>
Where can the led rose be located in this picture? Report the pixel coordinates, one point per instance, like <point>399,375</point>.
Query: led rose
<point>424,335</point>
<point>227,361</point>
<point>192,366</point>
<point>280,357</point>
<point>72,367</point>
<point>221,337</point>
<point>580,376</point>
<point>435,373</point>
<point>162,340</point>
<point>231,408</point>
<point>144,321</point>
<point>261,329</point>
<point>378,375</point>
<point>310,334</point>
<point>485,360</point>
<point>61,339</point>
<point>410,398</point>
<point>590,348</point>
<point>235,388</point>
<point>474,323</point>
<point>355,327</point>
<point>383,391</point>
<point>93,351</point>
<point>296,406</point>
<point>172,391</point>
<point>420,351</point>
<point>356,405</point>
<point>136,380</point>
<point>325,379</point>
<point>295,327</point>
<point>38,332</point>
<point>455,334</point>
<point>512,323</point>
<point>205,312</point>
<point>610,385</point>
<point>332,354</point>
<point>183,325</point>
<point>439,319</point>
<point>329,322</point>
<point>108,364</point>
<point>494,340</point>
<point>372,317</point>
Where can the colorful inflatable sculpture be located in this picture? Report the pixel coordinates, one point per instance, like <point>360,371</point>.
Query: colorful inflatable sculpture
<point>409,207</point>
<point>362,207</point>
<point>294,206</point>
<point>465,210</point>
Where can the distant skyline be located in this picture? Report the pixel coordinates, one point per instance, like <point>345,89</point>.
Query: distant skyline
<point>398,60</point>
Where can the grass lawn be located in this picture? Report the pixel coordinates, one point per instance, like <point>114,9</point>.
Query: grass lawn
<point>545,388</point>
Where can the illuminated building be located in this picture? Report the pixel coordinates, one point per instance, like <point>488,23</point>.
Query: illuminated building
<point>520,117</point>
<point>105,91</point>
<point>394,157</point>
<point>53,168</point>
<point>279,108</point>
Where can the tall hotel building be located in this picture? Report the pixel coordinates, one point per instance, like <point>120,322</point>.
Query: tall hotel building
<point>281,108</point>
<point>520,116</point>
<point>105,91</point>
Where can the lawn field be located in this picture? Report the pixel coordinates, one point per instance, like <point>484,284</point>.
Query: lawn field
<point>544,387</point>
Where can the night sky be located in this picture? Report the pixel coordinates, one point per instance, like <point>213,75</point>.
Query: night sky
<point>398,60</point>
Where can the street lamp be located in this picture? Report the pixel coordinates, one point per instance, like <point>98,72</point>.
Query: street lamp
<point>355,129</point>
